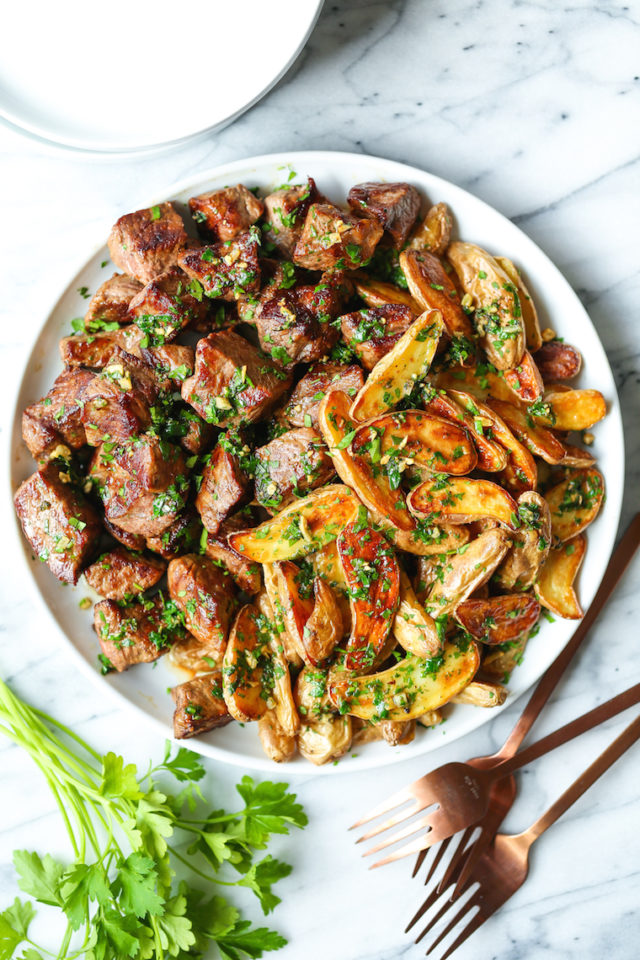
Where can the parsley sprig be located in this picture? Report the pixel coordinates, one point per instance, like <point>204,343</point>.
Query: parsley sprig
<point>129,832</point>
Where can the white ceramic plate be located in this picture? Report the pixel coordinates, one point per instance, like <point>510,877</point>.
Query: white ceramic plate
<point>147,74</point>
<point>143,688</point>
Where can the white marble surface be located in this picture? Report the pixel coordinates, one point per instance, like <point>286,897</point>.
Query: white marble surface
<point>535,108</point>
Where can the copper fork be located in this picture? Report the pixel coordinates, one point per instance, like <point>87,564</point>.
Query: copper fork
<point>504,865</point>
<point>436,787</point>
<point>503,793</point>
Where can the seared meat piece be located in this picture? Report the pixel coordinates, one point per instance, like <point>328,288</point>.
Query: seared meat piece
<point>228,270</point>
<point>302,408</point>
<point>199,435</point>
<point>121,573</point>
<point>183,536</point>
<point>137,632</point>
<point>143,483</point>
<point>285,212</point>
<point>332,239</point>
<point>94,350</point>
<point>200,706</point>
<point>206,595</point>
<point>133,541</point>
<point>274,276</point>
<point>59,523</point>
<point>371,333</point>
<point>233,383</point>
<point>118,401</point>
<point>225,486</point>
<point>394,206</point>
<point>167,305</point>
<point>172,363</point>
<point>146,243</point>
<point>290,465</point>
<point>56,419</point>
<point>223,214</point>
<point>247,575</point>
<point>110,302</point>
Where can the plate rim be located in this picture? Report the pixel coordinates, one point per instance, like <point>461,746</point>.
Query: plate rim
<point>614,486</point>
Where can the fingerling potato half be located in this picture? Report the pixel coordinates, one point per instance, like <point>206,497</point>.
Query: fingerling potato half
<point>574,503</point>
<point>376,293</point>
<point>433,289</point>
<point>498,619</point>
<point>482,693</point>
<point>525,379</point>
<point>324,629</point>
<point>373,576</point>
<point>492,458</point>
<point>500,661</point>
<point>577,457</point>
<point>395,375</point>
<point>409,689</point>
<point>558,361</point>
<point>247,686</point>
<point>554,587</point>
<point>278,745</point>
<point>434,232</point>
<point>466,571</point>
<point>463,500</point>
<point>480,381</point>
<point>529,313</point>
<point>299,529</point>
<point>540,441</point>
<point>413,628</point>
<point>433,442</point>
<point>531,544</point>
<point>572,409</point>
<point>327,740</point>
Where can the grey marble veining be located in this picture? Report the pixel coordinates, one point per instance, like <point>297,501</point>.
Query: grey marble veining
<point>535,107</point>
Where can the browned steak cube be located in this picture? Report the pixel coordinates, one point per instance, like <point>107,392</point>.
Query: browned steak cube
<point>332,239</point>
<point>225,485</point>
<point>185,535</point>
<point>200,706</point>
<point>394,206</point>
<point>120,573</point>
<point>94,350</point>
<point>110,302</point>
<point>227,270</point>
<point>223,214</point>
<point>289,466</point>
<point>137,632</point>
<point>59,523</point>
<point>143,483</point>
<point>133,541</point>
<point>118,401</point>
<point>371,333</point>
<point>172,363</point>
<point>206,594</point>
<point>275,276</point>
<point>55,420</point>
<point>165,306</point>
<point>302,408</point>
<point>146,243</point>
<point>285,212</point>
<point>200,434</point>
<point>233,383</point>
<point>246,574</point>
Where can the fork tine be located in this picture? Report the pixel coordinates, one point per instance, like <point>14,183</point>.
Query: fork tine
<point>440,914</point>
<point>402,796</point>
<point>393,821</point>
<point>470,928</point>
<point>419,844</point>
<point>419,862</point>
<point>420,912</point>
<point>422,825</point>
<point>475,851</point>
<point>437,858</point>
<point>455,865</point>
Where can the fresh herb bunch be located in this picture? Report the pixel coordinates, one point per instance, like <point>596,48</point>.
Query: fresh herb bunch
<point>120,895</point>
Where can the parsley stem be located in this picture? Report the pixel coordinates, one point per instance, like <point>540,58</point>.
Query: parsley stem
<point>200,873</point>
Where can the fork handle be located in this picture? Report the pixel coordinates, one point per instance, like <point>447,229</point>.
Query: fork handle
<point>570,730</point>
<point>626,739</point>
<point>617,566</point>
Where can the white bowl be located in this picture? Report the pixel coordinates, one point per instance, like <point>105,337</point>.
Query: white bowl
<point>143,688</point>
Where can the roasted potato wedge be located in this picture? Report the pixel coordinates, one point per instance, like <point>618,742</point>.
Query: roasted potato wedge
<point>397,733</point>
<point>464,572</point>
<point>373,576</point>
<point>492,458</point>
<point>433,289</point>
<point>531,544</point>
<point>413,436</point>
<point>410,688</point>
<point>300,528</point>
<point>498,310</point>
<point>558,361</point>
<point>482,693</point>
<point>463,500</point>
<point>278,745</point>
<point>498,619</point>
<point>525,379</point>
<point>246,687</point>
<point>413,628</point>
<point>434,232</point>
<point>501,661</point>
<point>572,409</point>
<point>540,441</point>
<point>295,605</point>
<point>269,602</point>
<point>430,537</point>
<point>376,293</point>
<point>554,587</point>
<point>533,335</point>
<point>430,719</point>
<point>395,375</point>
<point>576,457</point>
<point>282,694</point>
<point>311,696</point>
<point>328,739</point>
<point>324,628</point>
<point>575,503</point>
<point>480,381</point>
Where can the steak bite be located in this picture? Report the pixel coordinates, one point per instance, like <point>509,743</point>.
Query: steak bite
<point>285,211</point>
<point>110,302</point>
<point>394,206</point>
<point>118,401</point>
<point>332,239</point>
<point>200,706</point>
<point>143,483</point>
<point>59,523</point>
<point>146,243</point>
<point>371,333</point>
<point>225,485</point>
<point>233,383</point>
<point>228,270</point>
<point>121,573</point>
<point>223,214</point>
<point>56,420</point>
<point>302,408</point>
<point>246,574</point>
<point>290,465</point>
<point>183,536</point>
<point>94,350</point>
<point>165,306</point>
<point>206,595</point>
<point>132,541</point>
<point>136,632</point>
